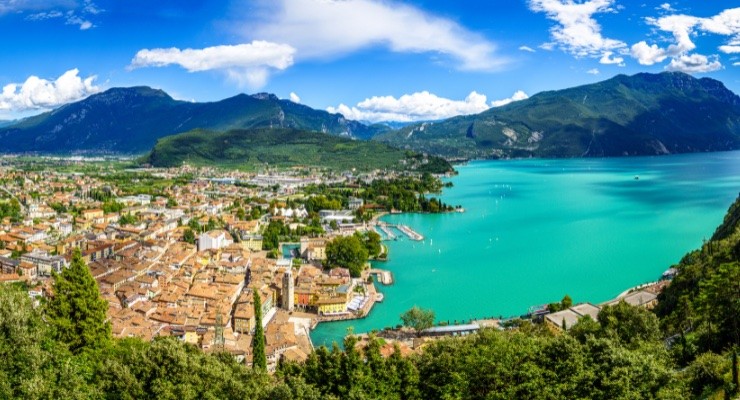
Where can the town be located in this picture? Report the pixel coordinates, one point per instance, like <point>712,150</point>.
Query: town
<point>180,252</point>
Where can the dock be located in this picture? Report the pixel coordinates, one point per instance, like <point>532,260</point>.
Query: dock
<point>388,234</point>
<point>383,276</point>
<point>413,235</point>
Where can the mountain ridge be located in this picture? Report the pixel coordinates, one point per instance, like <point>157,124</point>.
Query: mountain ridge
<point>642,114</point>
<point>130,120</point>
<point>285,147</point>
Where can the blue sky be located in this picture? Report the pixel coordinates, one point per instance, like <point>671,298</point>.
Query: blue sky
<point>369,59</point>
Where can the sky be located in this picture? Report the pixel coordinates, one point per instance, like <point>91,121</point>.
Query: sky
<point>371,60</point>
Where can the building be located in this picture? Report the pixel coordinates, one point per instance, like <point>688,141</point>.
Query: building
<point>564,320</point>
<point>44,263</point>
<point>252,242</point>
<point>214,240</point>
<point>338,216</point>
<point>640,298</point>
<point>288,290</point>
<point>355,203</point>
<point>8,265</point>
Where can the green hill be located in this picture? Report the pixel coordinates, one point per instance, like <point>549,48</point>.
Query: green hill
<point>247,148</point>
<point>130,120</point>
<point>643,114</point>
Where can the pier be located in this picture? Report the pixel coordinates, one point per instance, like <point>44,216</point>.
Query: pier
<point>410,233</point>
<point>388,234</point>
<point>384,277</point>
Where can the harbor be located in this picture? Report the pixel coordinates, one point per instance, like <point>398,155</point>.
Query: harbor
<point>387,230</point>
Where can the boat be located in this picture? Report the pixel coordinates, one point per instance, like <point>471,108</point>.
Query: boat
<point>637,177</point>
<point>379,297</point>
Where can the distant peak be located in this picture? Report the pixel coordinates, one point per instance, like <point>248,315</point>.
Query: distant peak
<point>264,96</point>
<point>144,91</point>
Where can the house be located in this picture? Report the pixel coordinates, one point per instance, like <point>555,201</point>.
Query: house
<point>332,305</point>
<point>355,203</point>
<point>564,320</point>
<point>313,249</point>
<point>252,242</point>
<point>44,263</point>
<point>640,298</point>
<point>8,265</point>
<point>216,239</point>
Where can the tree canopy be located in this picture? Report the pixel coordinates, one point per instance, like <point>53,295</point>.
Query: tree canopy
<point>347,252</point>
<point>418,319</point>
<point>76,311</point>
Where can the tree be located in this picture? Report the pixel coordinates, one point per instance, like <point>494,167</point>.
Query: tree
<point>346,252</point>
<point>188,236</point>
<point>628,323</point>
<point>371,241</point>
<point>418,319</point>
<point>259,359</point>
<point>76,312</point>
<point>719,302</point>
<point>566,302</point>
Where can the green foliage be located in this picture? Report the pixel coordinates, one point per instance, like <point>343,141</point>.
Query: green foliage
<point>128,219</point>
<point>346,252</point>
<point>371,241</point>
<point>188,236</point>
<point>702,304</point>
<point>112,206</point>
<point>357,373</point>
<point>273,233</point>
<point>250,148</point>
<point>259,360</point>
<point>76,312</point>
<point>418,319</point>
<point>10,208</point>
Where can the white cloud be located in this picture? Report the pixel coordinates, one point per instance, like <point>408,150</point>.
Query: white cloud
<point>527,48</point>
<point>607,58</point>
<point>73,12</point>
<point>694,63</point>
<point>419,106</point>
<point>648,55</point>
<point>45,15</point>
<point>732,47</point>
<point>683,28</point>
<point>577,32</point>
<point>321,29</point>
<point>665,7</point>
<point>294,98</point>
<point>518,95</point>
<point>18,6</point>
<point>37,93</point>
<point>547,46</point>
<point>246,64</point>
<point>593,71</point>
<point>736,64</point>
<point>75,20</point>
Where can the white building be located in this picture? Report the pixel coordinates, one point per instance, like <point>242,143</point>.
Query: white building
<point>214,240</point>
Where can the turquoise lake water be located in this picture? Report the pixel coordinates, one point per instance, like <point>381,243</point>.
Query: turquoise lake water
<point>535,230</point>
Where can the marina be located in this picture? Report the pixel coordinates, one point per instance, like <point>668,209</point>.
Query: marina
<point>386,228</point>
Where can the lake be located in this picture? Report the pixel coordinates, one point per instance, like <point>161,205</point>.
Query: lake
<point>535,230</point>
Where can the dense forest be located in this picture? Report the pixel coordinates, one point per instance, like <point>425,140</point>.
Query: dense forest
<point>686,349</point>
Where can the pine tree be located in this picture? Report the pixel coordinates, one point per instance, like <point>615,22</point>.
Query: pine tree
<point>259,359</point>
<point>76,312</point>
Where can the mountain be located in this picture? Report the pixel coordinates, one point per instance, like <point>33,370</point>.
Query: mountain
<point>130,120</point>
<point>6,123</point>
<point>643,114</point>
<point>248,148</point>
